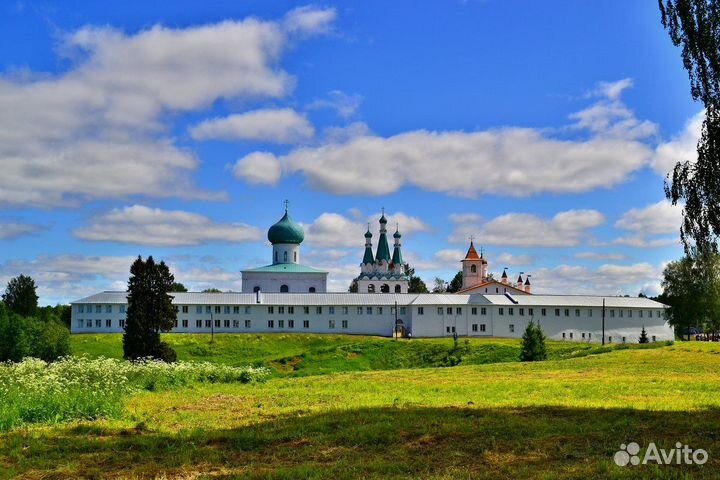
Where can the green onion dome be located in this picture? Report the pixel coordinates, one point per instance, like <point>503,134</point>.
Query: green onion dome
<point>286,231</point>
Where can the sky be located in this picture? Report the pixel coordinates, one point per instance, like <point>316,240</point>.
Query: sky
<point>544,130</point>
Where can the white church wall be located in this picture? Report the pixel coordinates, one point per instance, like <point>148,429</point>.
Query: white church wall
<point>272,282</point>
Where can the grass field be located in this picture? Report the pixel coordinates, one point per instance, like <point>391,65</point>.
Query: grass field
<point>556,419</point>
<point>312,354</point>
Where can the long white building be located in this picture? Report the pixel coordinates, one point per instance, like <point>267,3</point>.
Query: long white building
<point>562,317</point>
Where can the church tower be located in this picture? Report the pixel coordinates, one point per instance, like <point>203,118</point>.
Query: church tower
<point>474,268</point>
<point>383,273</point>
<point>398,265</point>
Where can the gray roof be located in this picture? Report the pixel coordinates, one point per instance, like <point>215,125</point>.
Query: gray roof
<point>339,298</point>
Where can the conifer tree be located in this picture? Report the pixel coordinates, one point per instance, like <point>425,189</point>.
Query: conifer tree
<point>150,311</point>
<point>643,336</point>
<point>20,296</point>
<point>533,344</point>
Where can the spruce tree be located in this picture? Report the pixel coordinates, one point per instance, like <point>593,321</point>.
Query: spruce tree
<point>20,296</point>
<point>150,311</point>
<point>643,336</point>
<point>533,344</point>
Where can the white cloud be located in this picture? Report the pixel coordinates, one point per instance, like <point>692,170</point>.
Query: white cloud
<point>505,161</point>
<point>607,279</point>
<point>565,229</point>
<point>151,226</point>
<point>613,90</point>
<point>258,168</point>
<point>660,217</point>
<point>272,125</point>
<point>99,129</point>
<point>600,256</point>
<point>641,241</point>
<point>510,259</point>
<point>681,148</point>
<point>450,256</point>
<point>9,231</point>
<point>308,20</point>
<point>344,105</point>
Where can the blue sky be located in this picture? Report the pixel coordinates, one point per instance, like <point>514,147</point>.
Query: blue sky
<point>543,130</point>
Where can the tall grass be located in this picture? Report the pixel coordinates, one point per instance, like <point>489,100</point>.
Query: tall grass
<point>36,391</point>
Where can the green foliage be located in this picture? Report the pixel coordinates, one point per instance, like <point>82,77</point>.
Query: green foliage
<point>643,336</point>
<point>34,391</point>
<point>416,285</point>
<point>456,283</point>
<point>149,311</point>
<point>533,344</point>
<point>21,337</point>
<point>439,285</point>
<point>20,296</point>
<point>353,288</point>
<point>177,287</point>
<point>211,290</point>
<point>695,26</point>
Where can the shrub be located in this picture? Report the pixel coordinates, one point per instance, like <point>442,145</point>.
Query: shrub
<point>533,344</point>
<point>22,337</point>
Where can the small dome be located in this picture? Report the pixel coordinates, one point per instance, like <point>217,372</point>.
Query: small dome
<point>397,234</point>
<point>383,219</point>
<point>368,234</point>
<point>286,231</point>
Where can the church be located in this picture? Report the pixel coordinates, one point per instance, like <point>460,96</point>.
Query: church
<point>287,296</point>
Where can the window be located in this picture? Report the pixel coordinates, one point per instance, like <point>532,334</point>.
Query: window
<point>208,309</point>
<point>284,289</point>
<point>122,323</point>
<point>345,310</point>
<point>473,269</point>
<point>345,325</point>
<point>571,335</point>
<point>108,323</point>
<point>122,309</point>
<point>217,323</point>
<point>236,323</point>
<point>281,310</point>
<point>398,289</point>
<point>81,309</point>
<point>640,313</point>
<point>589,335</point>
<point>271,310</point>
<point>285,256</point>
<point>612,313</point>
<point>653,338</point>
<point>623,339</point>
<point>473,311</point>
<point>421,311</point>
<point>483,311</point>
<point>218,309</point>
<point>557,312</point>
<point>450,329</point>
<point>577,312</point>
<point>295,257</point>
<point>522,312</point>
<point>384,288</point>
<point>474,327</point>
<point>318,310</point>
<point>531,312</point>
<point>589,312</point>
<point>247,310</point>
<point>359,310</point>
<point>331,323</point>
<point>306,310</point>
<point>248,323</point>
<point>458,311</point>
<point>440,310</point>
<point>368,310</point>
<point>567,312</point>
<point>501,311</point>
<point>622,313</point>
<point>657,313</point>
<point>198,309</point>
<point>511,311</point>
<point>403,311</point>
<point>185,309</point>
<point>511,327</point>
<point>281,323</point>
<point>563,335</point>
<point>271,323</point>
<point>482,327</point>
<point>311,290</point>
<point>98,308</point>
<point>331,310</point>
<point>226,323</point>
<point>198,323</point>
<point>108,309</point>
<point>98,323</point>
<point>449,310</point>
<point>583,335</point>
<point>208,324</point>
<point>291,323</point>
<point>175,323</point>
<point>371,288</point>
<point>236,310</point>
<point>378,310</point>
<point>185,323</point>
<point>609,339</point>
<point>306,323</point>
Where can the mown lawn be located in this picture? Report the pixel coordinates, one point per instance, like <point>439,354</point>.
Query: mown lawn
<point>555,419</point>
<point>311,354</point>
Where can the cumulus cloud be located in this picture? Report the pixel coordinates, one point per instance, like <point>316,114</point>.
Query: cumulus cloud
<point>258,168</point>
<point>607,279</point>
<point>152,226</point>
<point>565,229</point>
<point>283,125</point>
<point>660,217</point>
<point>98,129</point>
<point>345,105</point>
<point>505,161</point>
<point>510,259</point>
<point>9,231</point>
<point>600,256</point>
<point>308,20</point>
<point>681,148</point>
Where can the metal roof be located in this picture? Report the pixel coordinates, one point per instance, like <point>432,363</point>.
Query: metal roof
<point>285,268</point>
<point>350,299</point>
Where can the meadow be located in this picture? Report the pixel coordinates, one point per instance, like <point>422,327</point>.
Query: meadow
<point>562,418</point>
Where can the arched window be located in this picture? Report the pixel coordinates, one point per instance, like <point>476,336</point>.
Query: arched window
<point>285,256</point>
<point>295,257</point>
<point>256,289</point>
<point>398,289</point>
<point>371,288</point>
<point>385,288</point>
<point>312,290</point>
<point>276,257</point>
<point>284,289</point>
<point>473,269</point>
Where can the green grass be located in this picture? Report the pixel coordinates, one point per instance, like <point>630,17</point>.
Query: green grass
<point>311,354</point>
<point>552,420</point>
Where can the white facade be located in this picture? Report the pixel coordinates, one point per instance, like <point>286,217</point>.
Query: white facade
<point>562,317</point>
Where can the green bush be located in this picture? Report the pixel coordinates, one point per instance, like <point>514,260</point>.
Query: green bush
<point>21,337</point>
<point>533,344</point>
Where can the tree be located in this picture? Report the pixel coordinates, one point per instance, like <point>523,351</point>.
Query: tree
<point>177,287</point>
<point>643,336</point>
<point>353,288</point>
<point>533,344</point>
<point>415,284</point>
<point>439,285</point>
<point>150,311</point>
<point>211,290</point>
<point>695,25</point>
<point>20,296</point>
<point>456,283</point>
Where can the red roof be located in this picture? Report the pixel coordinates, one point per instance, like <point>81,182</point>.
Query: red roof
<point>472,253</point>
